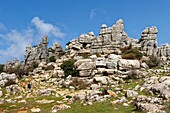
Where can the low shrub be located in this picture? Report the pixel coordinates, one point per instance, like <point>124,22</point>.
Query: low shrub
<point>131,53</point>
<point>52,59</point>
<point>68,68</point>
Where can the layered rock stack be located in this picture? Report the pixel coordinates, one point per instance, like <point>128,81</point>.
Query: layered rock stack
<point>110,40</point>
<point>37,53</point>
<point>148,41</point>
<point>164,51</point>
<point>55,50</point>
<point>12,66</point>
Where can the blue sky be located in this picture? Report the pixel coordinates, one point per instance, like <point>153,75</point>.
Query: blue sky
<point>26,21</point>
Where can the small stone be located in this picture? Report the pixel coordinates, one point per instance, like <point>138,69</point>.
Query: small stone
<point>35,110</point>
<point>89,103</point>
<point>1,93</point>
<point>125,104</point>
<point>111,93</point>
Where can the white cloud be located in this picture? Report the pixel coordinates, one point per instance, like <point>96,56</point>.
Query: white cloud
<point>16,43</point>
<point>97,11</point>
<point>2,27</point>
<point>92,14</point>
<point>47,28</point>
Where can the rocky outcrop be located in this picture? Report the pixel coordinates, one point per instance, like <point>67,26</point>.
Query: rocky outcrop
<point>158,85</point>
<point>7,79</point>
<point>148,41</point>
<point>124,64</point>
<point>37,53</point>
<point>12,66</point>
<point>55,50</point>
<point>149,104</point>
<point>110,40</point>
<point>164,51</point>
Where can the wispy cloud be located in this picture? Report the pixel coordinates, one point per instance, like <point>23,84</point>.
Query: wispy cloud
<point>2,27</point>
<point>14,42</point>
<point>47,28</point>
<point>97,11</point>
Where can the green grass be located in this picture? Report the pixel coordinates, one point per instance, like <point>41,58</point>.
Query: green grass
<point>31,103</point>
<point>100,107</point>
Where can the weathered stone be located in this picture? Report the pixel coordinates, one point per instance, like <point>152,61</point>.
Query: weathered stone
<point>149,104</point>
<point>1,93</point>
<point>164,51</point>
<point>94,86</point>
<point>36,54</point>
<point>79,62</point>
<point>153,85</point>
<point>85,73</point>
<point>111,64</point>
<point>102,79</point>
<point>35,110</point>
<point>55,50</point>
<point>86,66</point>
<point>100,62</point>
<point>148,41</point>
<point>5,78</point>
<point>45,92</point>
<point>59,107</point>
<point>131,93</point>
<point>124,64</point>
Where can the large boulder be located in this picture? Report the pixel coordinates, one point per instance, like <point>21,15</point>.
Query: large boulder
<point>85,67</point>
<point>102,79</point>
<point>149,104</point>
<point>7,79</point>
<point>100,62</point>
<point>158,86</point>
<point>1,93</point>
<point>79,62</point>
<point>124,64</point>
<point>131,93</point>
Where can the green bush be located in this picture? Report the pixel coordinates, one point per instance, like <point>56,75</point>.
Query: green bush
<point>52,59</point>
<point>131,53</point>
<point>69,69</point>
<point>1,68</point>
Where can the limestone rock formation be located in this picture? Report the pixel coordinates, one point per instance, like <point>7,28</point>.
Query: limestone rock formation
<point>12,66</point>
<point>124,64</point>
<point>55,50</point>
<point>110,40</point>
<point>5,78</point>
<point>37,53</point>
<point>148,41</point>
<point>164,51</point>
